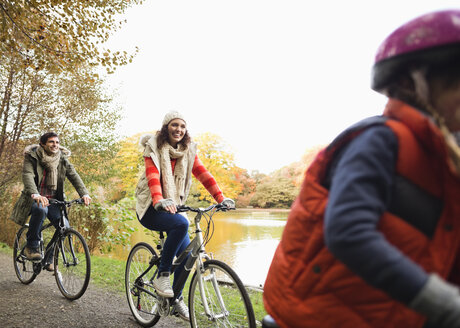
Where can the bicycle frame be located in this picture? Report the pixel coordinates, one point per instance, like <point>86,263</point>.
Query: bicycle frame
<point>194,248</point>
<point>195,252</point>
<point>65,248</point>
<point>50,246</point>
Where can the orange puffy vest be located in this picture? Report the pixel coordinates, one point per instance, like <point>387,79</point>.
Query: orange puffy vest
<point>307,286</point>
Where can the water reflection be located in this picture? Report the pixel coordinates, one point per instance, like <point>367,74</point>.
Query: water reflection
<point>246,240</point>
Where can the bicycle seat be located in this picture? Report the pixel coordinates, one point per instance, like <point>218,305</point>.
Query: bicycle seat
<point>269,322</point>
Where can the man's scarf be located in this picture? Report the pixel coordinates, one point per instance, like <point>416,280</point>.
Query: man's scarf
<point>50,163</point>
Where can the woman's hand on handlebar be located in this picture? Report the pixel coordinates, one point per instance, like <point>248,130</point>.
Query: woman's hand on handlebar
<point>167,205</point>
<point>229,203</point>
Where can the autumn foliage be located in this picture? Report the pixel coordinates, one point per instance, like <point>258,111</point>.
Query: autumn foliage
<point>276,190</point>
<point>49,52</point>
<point>61,35</point>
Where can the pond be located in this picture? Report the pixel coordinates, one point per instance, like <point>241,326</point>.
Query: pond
<point>244,239</point>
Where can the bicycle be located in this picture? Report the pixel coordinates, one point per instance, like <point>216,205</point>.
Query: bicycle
<point>69,251</point>
<point>217,297</point>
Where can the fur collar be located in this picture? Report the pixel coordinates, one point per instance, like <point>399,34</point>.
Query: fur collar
<point>145,138</point>
<point>33,148</point>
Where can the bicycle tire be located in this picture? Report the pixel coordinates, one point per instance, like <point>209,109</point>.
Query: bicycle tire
<point>22,266</point>
<point>236,310</point>
<point>143,306</point>
<point>72,264</point>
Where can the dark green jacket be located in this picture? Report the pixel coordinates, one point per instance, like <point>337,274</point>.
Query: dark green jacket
<point>32,173</point>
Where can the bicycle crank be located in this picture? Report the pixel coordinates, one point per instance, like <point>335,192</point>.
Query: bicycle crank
<point>164,308</point>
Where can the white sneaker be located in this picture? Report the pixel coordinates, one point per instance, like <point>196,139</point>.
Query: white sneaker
<point>163,286</point>
<point>181,310</point>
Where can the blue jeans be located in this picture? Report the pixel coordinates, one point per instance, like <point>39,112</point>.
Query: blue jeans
<point>38,213</point>
<point>176,228</point>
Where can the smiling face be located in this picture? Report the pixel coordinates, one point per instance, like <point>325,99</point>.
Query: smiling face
<point>176,131</point>
<point>51,146</point>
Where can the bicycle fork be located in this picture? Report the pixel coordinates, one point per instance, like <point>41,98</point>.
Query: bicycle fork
<point>65,261</point>
<point>211,277</point>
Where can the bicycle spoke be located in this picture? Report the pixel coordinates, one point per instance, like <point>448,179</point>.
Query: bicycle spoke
<point>22,266</point>
<point>218,298</point>
<point>144,306</point>
<point>72,265</point>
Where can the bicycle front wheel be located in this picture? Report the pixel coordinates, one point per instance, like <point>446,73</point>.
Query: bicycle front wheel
<point>72,264</point>
<point>139,291</point>
<point>22,266</point>
<point>217,298</point>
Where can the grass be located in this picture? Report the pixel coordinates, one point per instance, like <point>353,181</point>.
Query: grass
<point>231,296</point>
<point>109,273</point>
<point>4,248</point>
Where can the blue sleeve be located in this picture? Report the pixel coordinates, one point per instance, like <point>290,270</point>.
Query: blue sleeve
<point>359,193</point>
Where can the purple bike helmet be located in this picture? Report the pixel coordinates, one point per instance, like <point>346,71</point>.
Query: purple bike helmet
<point>427,40</point>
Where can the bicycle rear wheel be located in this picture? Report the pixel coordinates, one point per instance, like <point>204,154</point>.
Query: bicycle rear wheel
<point>72,264</point>
<point>217,298</point>
<point>22,266</point>
<point>143,305</point>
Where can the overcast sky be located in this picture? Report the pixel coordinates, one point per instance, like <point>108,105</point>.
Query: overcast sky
<point>272,78</point>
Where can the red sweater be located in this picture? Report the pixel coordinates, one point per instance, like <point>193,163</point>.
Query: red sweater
<point>198,171</point>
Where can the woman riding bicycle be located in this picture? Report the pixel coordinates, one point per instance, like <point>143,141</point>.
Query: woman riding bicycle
<point>170,160</point>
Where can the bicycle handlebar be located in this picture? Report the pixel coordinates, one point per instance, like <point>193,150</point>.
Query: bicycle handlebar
<point>67,203</point>
<point>219,207</point>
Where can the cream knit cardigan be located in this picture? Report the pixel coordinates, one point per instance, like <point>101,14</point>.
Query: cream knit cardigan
<point>143,196</point>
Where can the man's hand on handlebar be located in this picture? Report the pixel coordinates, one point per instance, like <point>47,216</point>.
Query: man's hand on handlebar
<point>46,202</point>
<point>41,200</point>
<point>86,200</point>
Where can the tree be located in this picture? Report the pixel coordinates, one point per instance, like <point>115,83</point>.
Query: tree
<point>47,53</point>
<point>129,164</point>
<point>23,93</point>
<point>61,35</point>
<point>219,161</point>
<point>307,158</point>
<point>248,187</point>
<point>33,102</point>
<point>282,187</point>
<point>275,192</point>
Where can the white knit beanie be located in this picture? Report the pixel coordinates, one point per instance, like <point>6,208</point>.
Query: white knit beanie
<point>171,116</point>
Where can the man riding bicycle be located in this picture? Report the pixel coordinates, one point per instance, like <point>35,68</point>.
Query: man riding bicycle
<point>45,168</point>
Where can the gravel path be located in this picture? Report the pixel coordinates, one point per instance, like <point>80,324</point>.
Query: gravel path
<point>40,304</point>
